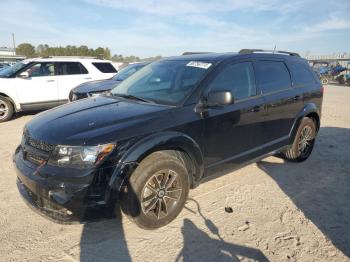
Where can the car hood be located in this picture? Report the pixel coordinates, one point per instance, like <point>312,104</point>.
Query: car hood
<point>96,86</point>
<point>95,121</point>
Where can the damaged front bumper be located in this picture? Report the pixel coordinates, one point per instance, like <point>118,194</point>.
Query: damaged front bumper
<point>61,194</point>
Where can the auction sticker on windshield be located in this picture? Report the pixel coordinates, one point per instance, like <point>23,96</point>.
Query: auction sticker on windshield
<point>199,64</point>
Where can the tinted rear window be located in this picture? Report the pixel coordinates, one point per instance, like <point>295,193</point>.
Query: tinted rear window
<point>301,74</point>
<point>105,67</point>
<point>272,76</point>
<point>71,68</point>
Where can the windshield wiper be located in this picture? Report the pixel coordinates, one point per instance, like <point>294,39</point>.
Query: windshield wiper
<point>127,96</point>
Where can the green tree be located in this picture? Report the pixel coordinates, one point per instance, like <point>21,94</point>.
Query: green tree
<point>107,53</point>
<point>26,50</point>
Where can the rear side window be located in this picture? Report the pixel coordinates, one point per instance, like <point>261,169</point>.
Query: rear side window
<point>71,68</point>
<point>272,76</point>
<point>237,78</point>
<point>301,74</point>
<point>105,67</point>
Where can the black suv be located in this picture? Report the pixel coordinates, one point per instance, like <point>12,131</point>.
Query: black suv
<point>164,129</point>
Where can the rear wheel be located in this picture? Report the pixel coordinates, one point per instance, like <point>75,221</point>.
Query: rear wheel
<point>303,142</point>
<point>324,80</point>
<point>6,109</point>
<point>157,190</point>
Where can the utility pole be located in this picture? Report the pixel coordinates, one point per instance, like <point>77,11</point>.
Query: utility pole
<point>14,44</point>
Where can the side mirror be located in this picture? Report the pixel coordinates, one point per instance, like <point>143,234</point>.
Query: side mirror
<point>24,75</point>
<point>219,98</point>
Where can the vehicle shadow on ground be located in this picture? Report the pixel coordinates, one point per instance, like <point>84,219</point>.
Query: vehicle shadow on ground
<point>105,241</point>
<point>320,186</point>
<point>26,113</point>
<point>200,246</point>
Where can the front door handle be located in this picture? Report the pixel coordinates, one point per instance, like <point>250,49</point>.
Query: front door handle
<point>87,78</point>
<point>50,80</point>
<point>297,98</point>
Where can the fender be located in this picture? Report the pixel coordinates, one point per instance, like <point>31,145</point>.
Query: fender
<point>308,109</point>
<point>17,106</point>
<point>159,141</point>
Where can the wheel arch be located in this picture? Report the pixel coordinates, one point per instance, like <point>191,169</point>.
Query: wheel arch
<point>309,110</point>
<point>181,145</point>
<point>2,94</point>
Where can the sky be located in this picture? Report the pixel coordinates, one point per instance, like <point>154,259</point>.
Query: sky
<point>162,27</point>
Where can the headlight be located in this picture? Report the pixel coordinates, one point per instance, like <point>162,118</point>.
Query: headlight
<point>95,94</point>
<point>80,156</point>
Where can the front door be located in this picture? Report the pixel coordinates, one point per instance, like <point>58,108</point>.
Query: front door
<point>40,87</point>
<point>233,131</point>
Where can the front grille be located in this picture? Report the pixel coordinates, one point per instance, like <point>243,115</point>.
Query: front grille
<point>40,145</point>
<point>36,151</point>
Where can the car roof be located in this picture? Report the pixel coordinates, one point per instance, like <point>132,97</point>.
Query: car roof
<point>67,59</point>
<point>218,57</point>
<point>214,57</point>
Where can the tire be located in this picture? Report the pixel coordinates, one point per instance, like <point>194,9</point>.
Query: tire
<point>6,109</point>
<point>156,191</point>
<point>324,80</point>
<point>303,142</point>
<point>341,80</point>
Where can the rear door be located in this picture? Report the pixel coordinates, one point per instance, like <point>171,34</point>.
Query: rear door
<point>233,131</point>
<point>71,74</point>
<point>282,101</point>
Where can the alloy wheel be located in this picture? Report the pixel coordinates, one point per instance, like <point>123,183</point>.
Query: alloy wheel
<point>305,140</point>
<point>161,194</point>
<point>4,109</point>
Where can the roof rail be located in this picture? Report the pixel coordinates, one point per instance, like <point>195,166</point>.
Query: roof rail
<point>81,57</point>
<point>251,51</point>
<point>196,53</point>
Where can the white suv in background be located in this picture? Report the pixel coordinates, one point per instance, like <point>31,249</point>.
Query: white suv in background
<point>43,83</point>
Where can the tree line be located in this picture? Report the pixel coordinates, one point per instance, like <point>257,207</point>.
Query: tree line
<point>31,51</point>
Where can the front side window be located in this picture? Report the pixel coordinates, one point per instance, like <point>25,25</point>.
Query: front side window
<point>237,78</point>
<point>71,68</point>
<point>105,67</point>
<point>41,69</point>
<point>166,82</point>
<point>272,76</point>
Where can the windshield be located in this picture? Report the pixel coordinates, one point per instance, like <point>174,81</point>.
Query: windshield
<point>164,82</point>
<point>9,71</point>
<point>127,71</point>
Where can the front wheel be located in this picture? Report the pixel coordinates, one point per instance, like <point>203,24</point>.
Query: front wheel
<point>303,142</point>
<point>156,191</point>
<point>6,109</point>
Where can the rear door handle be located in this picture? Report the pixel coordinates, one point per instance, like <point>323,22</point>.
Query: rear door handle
<point>50,80</point>
<point>255,109</point>
<point>87,78</point>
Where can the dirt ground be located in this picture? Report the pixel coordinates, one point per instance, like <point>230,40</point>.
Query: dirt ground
<point>281,211</point>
